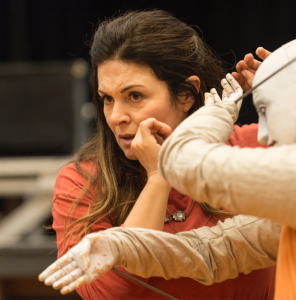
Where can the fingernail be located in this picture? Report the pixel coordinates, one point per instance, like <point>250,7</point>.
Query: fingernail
<point>244,74</point>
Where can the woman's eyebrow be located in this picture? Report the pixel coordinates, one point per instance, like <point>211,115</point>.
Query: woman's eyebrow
<point>99,91</point>
<point>129,87</point>
<point>123,90</point>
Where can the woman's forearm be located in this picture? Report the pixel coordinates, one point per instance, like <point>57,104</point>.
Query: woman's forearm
<point>150,208</point>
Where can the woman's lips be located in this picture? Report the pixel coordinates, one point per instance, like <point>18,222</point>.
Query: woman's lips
<point>126,140</point>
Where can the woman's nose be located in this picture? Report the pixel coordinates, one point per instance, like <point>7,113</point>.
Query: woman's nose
<point>120,114</point>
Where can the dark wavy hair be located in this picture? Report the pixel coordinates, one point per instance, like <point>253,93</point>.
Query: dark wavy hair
<point>174,51</point>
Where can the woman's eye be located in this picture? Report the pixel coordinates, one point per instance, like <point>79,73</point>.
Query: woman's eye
<point>135,96</point>
<point>107,99</point>
<point>262,109</point>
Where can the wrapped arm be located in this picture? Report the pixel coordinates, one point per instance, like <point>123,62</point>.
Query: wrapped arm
<point>208,255</point>
<point>259,182</point>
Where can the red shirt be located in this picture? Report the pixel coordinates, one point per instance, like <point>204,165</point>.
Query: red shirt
<point>256,285</point>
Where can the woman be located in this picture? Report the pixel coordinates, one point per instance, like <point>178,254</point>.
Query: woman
<point>145,65</point>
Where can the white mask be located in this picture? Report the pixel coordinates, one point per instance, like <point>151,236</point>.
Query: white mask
<point>275,100</point>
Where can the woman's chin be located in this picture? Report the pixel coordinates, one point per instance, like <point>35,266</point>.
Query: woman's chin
<point>130,155</point>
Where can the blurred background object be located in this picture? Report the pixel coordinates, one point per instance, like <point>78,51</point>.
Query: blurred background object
<point>26,247</point>
<point>46,112</point>
<point>44,107</point>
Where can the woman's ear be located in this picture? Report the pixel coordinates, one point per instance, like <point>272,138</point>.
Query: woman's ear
<point>189,99</point>
<point>195,81</point>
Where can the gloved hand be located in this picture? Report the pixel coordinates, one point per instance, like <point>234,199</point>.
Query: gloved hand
<point>89,259</point>
<point>231,91</point>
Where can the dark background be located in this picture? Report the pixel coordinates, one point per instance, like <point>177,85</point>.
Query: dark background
<point>33,30</point>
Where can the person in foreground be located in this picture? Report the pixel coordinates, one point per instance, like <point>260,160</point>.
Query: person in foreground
<point>257,182</point>
<point>150,72</point>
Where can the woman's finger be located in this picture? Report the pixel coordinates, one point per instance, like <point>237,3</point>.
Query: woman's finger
<point>165,131</point>
<point>242,65</point>
<point>152,126</point>
<point>249,77</point>
<point>252,63</point>
<point>239,78</point>
<point>159,139</point>
<point>262,53</point>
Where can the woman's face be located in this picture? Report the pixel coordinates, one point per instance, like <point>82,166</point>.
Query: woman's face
<point>131,93</point>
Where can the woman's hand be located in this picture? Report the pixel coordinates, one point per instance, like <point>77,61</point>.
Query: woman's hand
<point>146,144</point>
<point>247,68</point>
<point>150,208</point>
<point>232,91</point>
<point>85,262</point>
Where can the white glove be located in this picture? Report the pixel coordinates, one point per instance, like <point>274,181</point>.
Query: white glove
<point>231,91</point>
<point>88,260</point>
